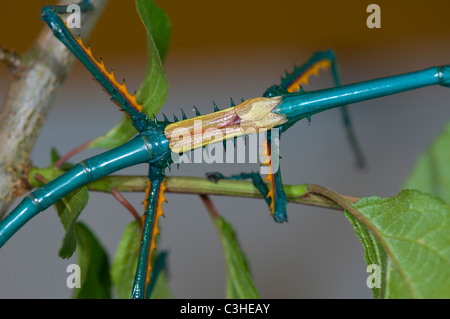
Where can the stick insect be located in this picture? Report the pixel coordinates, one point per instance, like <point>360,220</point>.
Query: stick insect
<point>281,106</point>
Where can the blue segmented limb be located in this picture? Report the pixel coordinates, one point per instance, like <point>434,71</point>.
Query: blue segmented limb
<point>276,192</point>
<point>293,82</point>
<point>154,201</point>
<point>296,106</point>
<point>290,83</point>
<point>153,131</point>
<point>118,92</point>
<point>256,178</point>
<point>131,153</point>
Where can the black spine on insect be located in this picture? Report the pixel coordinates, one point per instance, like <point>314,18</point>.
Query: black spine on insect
<point>216,109</point>
<point>183,115</point>
<point>166,120</point>
<point>155,120</point>
<point>197,112</point>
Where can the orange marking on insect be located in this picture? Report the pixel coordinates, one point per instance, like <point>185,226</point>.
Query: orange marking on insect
<point>270,177</point>
<point>155,231</point>
<point>304,78</point>
<point>121,88</point>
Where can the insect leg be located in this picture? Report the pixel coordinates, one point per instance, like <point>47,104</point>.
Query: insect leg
<point>273,193</point>
<point>293,82</point>
<point>256,178</point>
<point>276,192</point>
<point>153,203</point>
<point>118,92</point>
<point>131,153</point>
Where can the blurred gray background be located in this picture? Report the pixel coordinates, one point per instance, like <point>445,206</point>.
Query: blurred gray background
<point>316,254</point>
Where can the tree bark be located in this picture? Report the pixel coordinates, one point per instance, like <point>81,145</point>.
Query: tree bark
<point>28,101</point>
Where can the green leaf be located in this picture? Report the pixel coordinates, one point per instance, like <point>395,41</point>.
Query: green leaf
<point>69,208</point>
<point>118,135</point>
<point>431,173</point>
<point>54,156</point>
<point>153,91</point>
<point>162,289</point>
<point>239,281</point>
<point>408,237</point>
<point>125,261</point>
<point>157,24</point>
<point>94,266</point>
<point>154,88</point>
<point>159,286</point>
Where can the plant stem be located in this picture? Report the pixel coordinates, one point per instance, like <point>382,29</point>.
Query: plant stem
<point>340,200</point>
<point>212,210</point>
<point>28,101</point>
<point>73,152</point>
<point>121,199</point>
<point>299,194</point>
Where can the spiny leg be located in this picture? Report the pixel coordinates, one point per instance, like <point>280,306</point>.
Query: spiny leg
<point>256,178</point>
<point>118,92</point>
<point>273,194</point>
<point>128,103</point>
<point>276,192</point>
<point>153,203</point>
<point>293,82</point>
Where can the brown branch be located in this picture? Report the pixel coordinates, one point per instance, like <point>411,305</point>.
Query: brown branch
<point>28,101</point>
<point>12,60</point>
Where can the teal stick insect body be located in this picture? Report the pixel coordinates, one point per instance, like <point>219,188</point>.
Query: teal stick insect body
<point>281,106</point>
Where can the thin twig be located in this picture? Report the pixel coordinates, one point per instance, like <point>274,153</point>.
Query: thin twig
<point>121,199</point>
<point>297,194</point>
<point>213,212</point>
<point>335,197</point>
<point>41,179</point>
<point>71,153</point>
<point>338,199</point>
